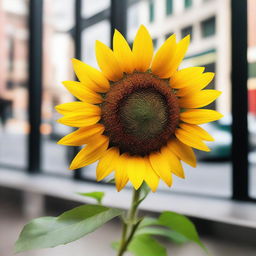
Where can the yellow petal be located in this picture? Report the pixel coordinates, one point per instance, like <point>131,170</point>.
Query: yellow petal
<point>136,169</point>
<point>142,50</point>
<point>183,77</point>
<point>91,153</point>
<point>182,151</point>
<point>81,92</point>
<point>82,135</point>
<point>90,77</point>
<point>164,57</point>
<point>200,116</point>
<point>107,62</point>
<point>123,52</point>
<point>196,84</point>
<point>182,47</point>
<point>79,119</point>
<point>77,106</point>
<point>174,163</point>
<point>107,163</point>
<point>121,177</point>
<point>161,166</point>
<point>196,130</point>
<point>151,178</point>
<point>191,140</point>
<point>199,99</point>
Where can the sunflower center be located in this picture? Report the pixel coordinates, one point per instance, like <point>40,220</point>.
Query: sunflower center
<point>144,114</point>
<point>140,114</point>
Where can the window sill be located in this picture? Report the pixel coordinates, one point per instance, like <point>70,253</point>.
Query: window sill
<point>213,209</point>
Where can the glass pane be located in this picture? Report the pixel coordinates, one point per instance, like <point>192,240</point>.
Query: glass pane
<point>134,19</point>
<point>13,83</point>
<point>58,51</point>
<point>212,176</point>
<point>208,27</point>
<point>90,8</point>
<point>100,31</point>
<point>187,31</point>
<point>188,3</point>
<point>252,94</point>
<point>169,7</point>
<point>168,35</point>
<point>151,11</point>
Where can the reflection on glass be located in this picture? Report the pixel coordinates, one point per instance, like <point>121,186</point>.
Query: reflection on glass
<point>58,50</point>
<point>252,94</point>
<point>13,82</point>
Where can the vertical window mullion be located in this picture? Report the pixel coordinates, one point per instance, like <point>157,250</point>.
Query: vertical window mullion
<point>78,55</point>
<point>35,84</point>
<point>118,17</point>
<point>239,93</point>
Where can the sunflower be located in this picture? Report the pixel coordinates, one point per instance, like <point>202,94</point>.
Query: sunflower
<point>138,116</point>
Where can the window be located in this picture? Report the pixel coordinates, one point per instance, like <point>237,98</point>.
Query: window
<point>188,3</point>
<point>169,7</point>
<point>151,11</point>
<point>252,70</point>
<point>214,171</point>
<point>187,31</point>
<point>208,27</point>
<point>155,42</point>
<point>57,21</point>
<point>168,35</point>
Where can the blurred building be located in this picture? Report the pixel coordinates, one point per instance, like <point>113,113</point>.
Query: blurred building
<point>57,52</point>
<point>210,46</point>
<point>13,62</point>
<point>252,55</point>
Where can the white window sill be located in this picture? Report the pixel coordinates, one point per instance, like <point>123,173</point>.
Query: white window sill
<point>215,209</point>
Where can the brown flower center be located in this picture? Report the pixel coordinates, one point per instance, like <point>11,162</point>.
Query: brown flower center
<point>140,114</point>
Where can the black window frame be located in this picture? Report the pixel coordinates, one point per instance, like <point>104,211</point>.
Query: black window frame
<point>117,14</point>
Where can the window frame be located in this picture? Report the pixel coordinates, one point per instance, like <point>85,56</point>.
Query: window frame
<point>239,76</point>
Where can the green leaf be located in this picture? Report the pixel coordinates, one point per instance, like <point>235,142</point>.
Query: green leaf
<point>48,232</point>
<point>181,225</point>
<point>148,221</point>
<point>144,191</point>
<point>157,231</point>
<point>144,245</point>
<point>98,195</point>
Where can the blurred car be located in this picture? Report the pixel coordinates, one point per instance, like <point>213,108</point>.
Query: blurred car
<point>221,132</point>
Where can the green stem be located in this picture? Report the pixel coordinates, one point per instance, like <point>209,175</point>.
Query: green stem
<point>130,224</point>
